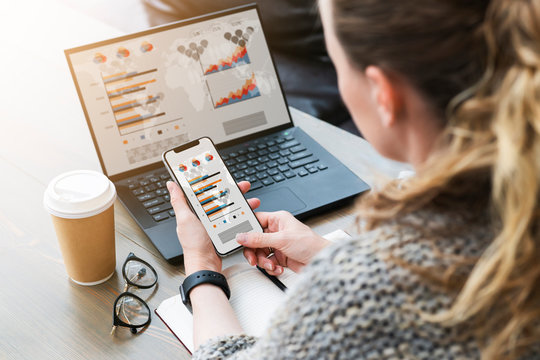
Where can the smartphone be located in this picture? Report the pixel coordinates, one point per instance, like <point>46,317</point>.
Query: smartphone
<point>211,192</point>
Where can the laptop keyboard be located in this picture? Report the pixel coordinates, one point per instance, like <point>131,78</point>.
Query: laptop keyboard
<point>272,160</point>
<point>265,162</point>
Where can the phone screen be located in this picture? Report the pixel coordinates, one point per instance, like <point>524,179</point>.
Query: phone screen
<point>212,193</point>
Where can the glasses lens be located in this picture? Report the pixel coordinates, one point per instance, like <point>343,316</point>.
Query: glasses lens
<point>132,311</point>
<point>140,274</point>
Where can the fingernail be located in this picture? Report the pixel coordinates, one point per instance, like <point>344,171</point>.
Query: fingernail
<point>279,269</point>
<point>269,266</point>
<point>241,238</point>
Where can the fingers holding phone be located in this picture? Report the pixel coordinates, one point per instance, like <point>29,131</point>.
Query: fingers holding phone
<point>294,244</point>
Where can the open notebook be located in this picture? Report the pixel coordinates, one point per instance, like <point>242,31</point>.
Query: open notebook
<point>247,284</point>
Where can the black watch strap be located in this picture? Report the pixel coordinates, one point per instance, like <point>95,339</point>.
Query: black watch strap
<point>202,277</point>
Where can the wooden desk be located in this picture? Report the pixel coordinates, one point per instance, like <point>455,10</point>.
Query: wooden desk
<point>43,315</point>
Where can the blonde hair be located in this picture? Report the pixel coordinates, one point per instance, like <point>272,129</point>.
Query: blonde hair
<point>494,129</point>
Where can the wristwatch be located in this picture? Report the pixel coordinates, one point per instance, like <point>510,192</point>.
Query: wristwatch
<point>202,277</point>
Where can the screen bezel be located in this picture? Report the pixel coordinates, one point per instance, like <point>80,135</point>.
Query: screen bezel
<point>189,145</point>
<point>180,23</point>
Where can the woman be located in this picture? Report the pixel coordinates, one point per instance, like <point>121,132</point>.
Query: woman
<point>449,267</point>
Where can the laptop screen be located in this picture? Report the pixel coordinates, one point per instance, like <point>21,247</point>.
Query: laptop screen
<point>148,92</point>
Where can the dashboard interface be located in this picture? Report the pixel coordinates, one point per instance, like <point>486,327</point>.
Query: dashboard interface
<point>152,91</point>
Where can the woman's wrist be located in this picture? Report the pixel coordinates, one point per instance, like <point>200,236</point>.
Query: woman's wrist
<point>197,262</point>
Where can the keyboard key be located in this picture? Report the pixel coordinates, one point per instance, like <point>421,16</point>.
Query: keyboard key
<point>153,202</point>
<point>280,140</point>
<point>161,216</point>
<point>132,186</point>
<point>274,156</point>
<point>160,208</point>
<point>224,157</point>
<point>154,179</point>
<point>261,167</point>
<point>241,158</point>
<point>161,192</point>
<point>252,155</point>
<point>238,174</point>
<point>143,183</point>
<point>263,159</point>
<point>283,161</point>
<point>283,168</point>
<point>255,185</point>
<point>262,176</point>
<point>138,191</point>
<point>252,149</point>
<point>233,155</point>
<point>288,144</point>
<point>312,169</point>
<point>270,143</point>
<point>278,178</point>
<point>272,164</point>
<point>164,176</point>
<point>284,153</point>
<point>322,167</point>
<point>300,155</point>
<point>302,172</point>
<point>263,152</point>
<point>150,187</point>
<point>171,213</point>
<point>230,162</point>
<point>241,166</point>
<point>242,151</point>
<point>250,171</point>
<point>273,149</point>
<point>252,163</point>
<point>297,148</point>
<point>167,197</point>
<point>267,181</point>
<point>273,172</point>
<point>289,138</point>
<point>251,179</point>
<point>146,197</point>
<point>302,162</point>
<point>289,174</point>
<point>161,184</point>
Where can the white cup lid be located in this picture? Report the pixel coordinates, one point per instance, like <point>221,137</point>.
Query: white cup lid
<point>78,194</point>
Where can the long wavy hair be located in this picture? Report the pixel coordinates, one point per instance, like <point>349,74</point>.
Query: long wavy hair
<point>477,62</point>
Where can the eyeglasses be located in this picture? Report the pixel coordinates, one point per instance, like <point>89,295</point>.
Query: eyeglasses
<point>129,310</point>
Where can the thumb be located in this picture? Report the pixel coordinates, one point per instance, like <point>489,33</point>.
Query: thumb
<point>258,240</point>
<point>178,200</point>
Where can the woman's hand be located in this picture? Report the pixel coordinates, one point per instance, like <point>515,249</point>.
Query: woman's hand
<point>199,253</point>
<point>294,243</point>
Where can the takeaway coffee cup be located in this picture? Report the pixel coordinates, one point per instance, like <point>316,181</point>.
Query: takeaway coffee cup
<point>81,204</point>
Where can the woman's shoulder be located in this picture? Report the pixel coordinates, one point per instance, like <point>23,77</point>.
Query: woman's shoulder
<point>368,285</point>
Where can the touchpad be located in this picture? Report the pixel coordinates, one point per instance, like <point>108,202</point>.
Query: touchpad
<point>280,199</point>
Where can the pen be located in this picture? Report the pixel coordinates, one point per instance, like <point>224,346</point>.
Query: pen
<point>274,279</point>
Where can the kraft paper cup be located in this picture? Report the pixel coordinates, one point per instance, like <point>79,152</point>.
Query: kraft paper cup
<point>81,205</point>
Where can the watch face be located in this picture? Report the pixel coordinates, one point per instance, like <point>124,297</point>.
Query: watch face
<point>185,299</point>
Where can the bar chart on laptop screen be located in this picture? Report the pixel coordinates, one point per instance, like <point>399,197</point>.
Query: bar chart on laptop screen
<point>134,99</point>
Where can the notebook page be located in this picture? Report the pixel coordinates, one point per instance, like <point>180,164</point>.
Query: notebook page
<point>178,319</point>
<point>254,298</point>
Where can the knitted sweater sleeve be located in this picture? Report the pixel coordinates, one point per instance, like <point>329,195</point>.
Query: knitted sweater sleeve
<point>342,307</point>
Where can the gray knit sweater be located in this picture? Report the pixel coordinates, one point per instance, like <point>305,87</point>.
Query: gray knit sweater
<point>351,303</point>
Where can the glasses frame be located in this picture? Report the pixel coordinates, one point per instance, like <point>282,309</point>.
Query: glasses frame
<point>116,320</point>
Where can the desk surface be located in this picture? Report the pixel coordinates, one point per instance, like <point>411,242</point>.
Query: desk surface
<point>43,314</point>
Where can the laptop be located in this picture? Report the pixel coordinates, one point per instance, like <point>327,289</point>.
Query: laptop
<point>212,76</point>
